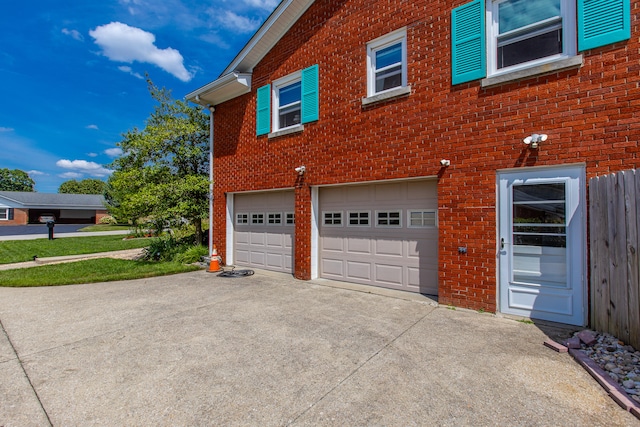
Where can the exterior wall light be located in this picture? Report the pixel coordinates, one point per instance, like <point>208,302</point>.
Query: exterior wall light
<point>534,140</point>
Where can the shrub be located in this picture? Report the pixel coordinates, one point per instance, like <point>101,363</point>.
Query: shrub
<point>191,254</point>
<point>108,219</point>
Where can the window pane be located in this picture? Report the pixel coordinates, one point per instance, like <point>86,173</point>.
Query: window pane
<point>536,47</point>
<point>290,94</point>
<point>290,116</point>
<point>540,240</point>
<point>389,79</point>
<point>389,56</point>
<point>4,213</point>
<point>519,13</point>
<point>539,192</point>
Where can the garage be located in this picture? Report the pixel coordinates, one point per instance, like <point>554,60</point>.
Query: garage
<point>382,234</point>
<point>263,230</point>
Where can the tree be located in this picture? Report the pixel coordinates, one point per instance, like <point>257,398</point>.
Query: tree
<point>86,186</point>
<point>163,173</point>
<point>16,180</point>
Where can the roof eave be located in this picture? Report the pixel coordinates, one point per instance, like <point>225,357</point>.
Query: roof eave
<point>227,87</point>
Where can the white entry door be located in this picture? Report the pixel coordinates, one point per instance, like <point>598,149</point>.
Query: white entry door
<point>541,244</point>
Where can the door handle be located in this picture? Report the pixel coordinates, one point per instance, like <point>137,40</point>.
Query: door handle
<point>502,243</point>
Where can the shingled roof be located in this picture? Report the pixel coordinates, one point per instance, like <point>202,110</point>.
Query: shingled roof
<point>54,201</point>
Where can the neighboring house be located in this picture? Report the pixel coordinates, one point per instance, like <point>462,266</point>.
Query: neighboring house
<point>421,128</point>
<point>19,208</point>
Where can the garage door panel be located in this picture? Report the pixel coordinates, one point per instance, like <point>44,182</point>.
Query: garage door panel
<point>390,274</point>
<point>242,256</point>
<point>242,237</point>
<point>257,258</point>
<point>257,239</point>
<point>288,240</point>
<point>275,261</point>
<point>276,240</point>
<point>388,254</point>
<point>358,270</point>
<point>386,247</point>
<point>359,246</point>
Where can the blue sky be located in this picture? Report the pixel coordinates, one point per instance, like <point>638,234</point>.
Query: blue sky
<point>72,73</point>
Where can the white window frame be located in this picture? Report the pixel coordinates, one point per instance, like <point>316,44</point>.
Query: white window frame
<point>348,219</point>
<point>242,218</point>
<point>253,218</point>
<point>6,214</point>
<point>569,38</point>
<point>398,36</point>
<point>275,216</point>
<point>398,211</point>
<point>289,218</point>
<point>435,220</point>
<point>324,220</point>
<point>275,95</point>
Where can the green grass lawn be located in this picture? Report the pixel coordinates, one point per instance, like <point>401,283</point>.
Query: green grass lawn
<point>24,250</point>
<point>89,271</point>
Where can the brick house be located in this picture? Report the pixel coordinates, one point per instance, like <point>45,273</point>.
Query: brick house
<point>441,147</point>
<point>20,208</point>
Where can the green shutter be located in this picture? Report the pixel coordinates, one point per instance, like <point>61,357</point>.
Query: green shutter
<point>468,52</point>
<point>263,110</point>
<point>310,101</point>
<point>602,22</point>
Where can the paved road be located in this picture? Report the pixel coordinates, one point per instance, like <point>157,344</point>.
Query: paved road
<point>268,350</point>
<point>16,230</point>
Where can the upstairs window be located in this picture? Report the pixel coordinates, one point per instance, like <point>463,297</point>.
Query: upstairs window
<point>529,32</point>
<point>387,63</point>
<point>287,96</point>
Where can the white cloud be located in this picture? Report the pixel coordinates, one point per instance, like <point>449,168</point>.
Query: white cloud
<point>92,154</point>
<point>70,175</point>
<point>73,33</point>
<point>238,23</point>
<point>122,43</point>
<point>83,166</point>
<point>113,152</point>
<point>94,127</point>
<point>128,70</point>
<point>3,129</point>
<point>35,173</point>
<point>263,4</point>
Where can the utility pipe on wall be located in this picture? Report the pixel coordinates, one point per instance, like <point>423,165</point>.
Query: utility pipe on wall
<point>211,111</point>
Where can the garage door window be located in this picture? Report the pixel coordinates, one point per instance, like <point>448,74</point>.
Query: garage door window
<point>359,219</point>
<point>332,219</point>
<point>290,218</point>
<point>242,218</point>
<point>274,218</point>
<point>422,219</point>
<point>257,218</point>
<point>388,219</point>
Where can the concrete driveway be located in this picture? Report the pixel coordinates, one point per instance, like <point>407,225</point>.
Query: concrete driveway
<point>267,350</point>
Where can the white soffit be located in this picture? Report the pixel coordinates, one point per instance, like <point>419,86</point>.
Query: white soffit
<point>225,88</point>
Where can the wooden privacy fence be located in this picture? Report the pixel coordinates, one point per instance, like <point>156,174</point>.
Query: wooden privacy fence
<point>614,224</point>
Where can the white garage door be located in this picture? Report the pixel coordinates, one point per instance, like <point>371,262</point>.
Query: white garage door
<point>263,230</point>
<point>381,234</point>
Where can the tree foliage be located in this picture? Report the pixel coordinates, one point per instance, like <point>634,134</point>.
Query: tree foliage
<point>163,173</point>
<point>15,180</point>
<point>85,186</point>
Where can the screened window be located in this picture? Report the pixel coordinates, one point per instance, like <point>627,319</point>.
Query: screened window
<point>422,218</point>
<point>274,218</point>
<point>242,218</point>
<point>388,219</point>
<point>530,31</point>
<point>359,219</point>
<point>332,218</point>
<point>257,218</point>
<point>387,60</point>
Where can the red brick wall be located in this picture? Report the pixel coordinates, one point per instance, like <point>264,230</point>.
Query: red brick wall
<point>20,217</point>
<point>100,215</point>
<point>591,114</point>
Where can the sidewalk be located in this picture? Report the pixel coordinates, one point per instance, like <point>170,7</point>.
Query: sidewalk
<point>124,254</point>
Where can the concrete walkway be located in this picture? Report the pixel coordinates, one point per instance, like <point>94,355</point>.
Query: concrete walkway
<point>124,254</point>
<point>268,350</point>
